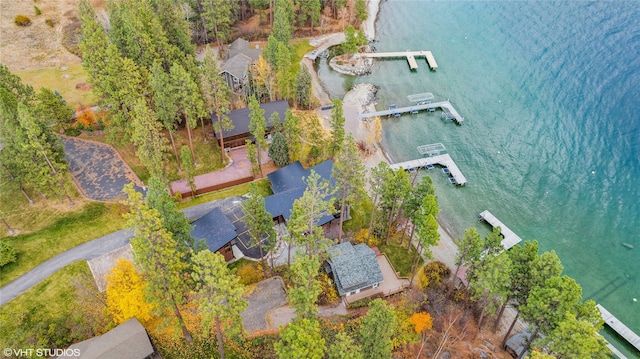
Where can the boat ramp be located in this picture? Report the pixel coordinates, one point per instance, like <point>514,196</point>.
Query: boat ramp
<point>409,55</point>
<point>510,239</point>
<point>619,327</point>
<point>444,160</point>
<point>448,111</point>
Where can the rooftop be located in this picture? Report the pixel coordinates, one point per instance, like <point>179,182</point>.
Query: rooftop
<point>215,229</point>
<point>240,117</point>
<point>353,267</point>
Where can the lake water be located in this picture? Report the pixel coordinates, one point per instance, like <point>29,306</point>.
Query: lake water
<point>550,92</point>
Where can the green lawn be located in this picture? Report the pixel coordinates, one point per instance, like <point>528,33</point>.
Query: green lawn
<point>239,190</point>
<point>42,311</point>
<point>63,81</point>
<point>66,231</point>
<point>399,256</point>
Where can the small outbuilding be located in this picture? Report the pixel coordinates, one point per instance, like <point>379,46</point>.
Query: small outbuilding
<point>354,268</point>
<point>217,231</point>
<point>128,340</point>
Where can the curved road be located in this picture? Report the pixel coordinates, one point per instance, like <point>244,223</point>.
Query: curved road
<point>90,250</point>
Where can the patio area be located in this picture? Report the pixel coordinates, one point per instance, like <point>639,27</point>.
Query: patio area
<point>391,283</point>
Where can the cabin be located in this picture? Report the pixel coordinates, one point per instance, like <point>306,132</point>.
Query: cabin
<point>353,268</point>
<point>127,340</point>
<point>240,118</point>
<point>240,58</point>
<point>218,233</point>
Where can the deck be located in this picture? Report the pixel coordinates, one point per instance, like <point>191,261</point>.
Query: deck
<point>449,111</point>
<point>622,330</point>
<point>510,239</point>
<point>410,55</point>
<point>443,160</point>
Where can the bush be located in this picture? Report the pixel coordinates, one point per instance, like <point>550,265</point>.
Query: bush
<point>8,254</point>
<point>433,274</point>
<point>72,132</point>
<point>249,273</point>
<point>50,22</point>
<point>37,10</point>
<point>329,293</point>
<point>22,20</point>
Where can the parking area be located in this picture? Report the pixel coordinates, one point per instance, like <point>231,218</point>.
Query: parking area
<point>265,297</point>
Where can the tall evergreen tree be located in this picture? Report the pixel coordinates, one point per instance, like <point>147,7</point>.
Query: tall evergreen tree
<point>188,100</point>
<point>303,85</point>
<point>257,127</point>
<point>165,105</point>
<point>220,296</point>
<point>306,286</point>
<point>337,126</point>
<point>147,137</point>
<point>217,95</point>
<point>301,339</point>
<point>377,329</point>
<point>175,25</point>
<point>278,150</point>
<point>292,134</point>
<point>218,18</point>
<point>259,223</point>
<point>157,253</point>
<point>189,168</point>
<point>349,173</point>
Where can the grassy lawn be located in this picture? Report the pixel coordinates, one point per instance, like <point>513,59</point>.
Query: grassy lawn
<point>239,190</point>
<point>66,231</point>
<point>398,255</point>
<point>62,81</point>
<point>299,48</point>
<point>51,300</point>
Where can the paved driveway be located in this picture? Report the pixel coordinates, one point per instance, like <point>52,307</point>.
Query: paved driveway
<point>268,295</point>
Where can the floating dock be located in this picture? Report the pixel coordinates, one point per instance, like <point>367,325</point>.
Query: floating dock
<point>409,55</point>
<point>443,160</point>
<point>449,112</point>
<point>622,330</point>
<point>509,239</point>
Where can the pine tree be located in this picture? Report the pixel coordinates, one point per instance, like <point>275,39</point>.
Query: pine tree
<point>303,88</point>
<point>337,127</point>
<point>301,339</point>
<point>292,134</point>
<point>188,100</point>
<point>147,137</point>
<point>344,347</point>
<point>157,253</point>
<point>259,223</point>
<point>165,105</point>
<point>220,296</point>
<point>218,96</point>
<point>376,330</point>
<point>188,168</point>
<point>218,18</point>
<point>257,127</point>
<point>51,107</point>
<point>349,173</point>
<point>278,151</point>
<point>252,155</point>
<point>306,287</point>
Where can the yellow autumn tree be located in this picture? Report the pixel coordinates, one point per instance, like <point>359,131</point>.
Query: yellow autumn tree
<point>421,321</point>
<point>125,293</point>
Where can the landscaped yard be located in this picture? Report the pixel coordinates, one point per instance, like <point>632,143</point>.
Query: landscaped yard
<point>63,81</point>
<point>398,255</point>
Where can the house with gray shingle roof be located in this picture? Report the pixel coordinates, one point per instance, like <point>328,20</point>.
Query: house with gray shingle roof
<point>218,232</point>
<point>354,268</point>
<point>127,340</point>
<point>240,59</point>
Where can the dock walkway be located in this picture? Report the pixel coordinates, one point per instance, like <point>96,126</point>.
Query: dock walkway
<point>510,239</point>
<point>443,160</point>
<point>450,112</point>
<point>615,324</point>
<point>409,55</point>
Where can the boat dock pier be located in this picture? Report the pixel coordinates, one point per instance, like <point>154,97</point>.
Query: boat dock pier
<point>622,330</point>
<point>409,55</point>
<point>448,111</point>
<point>510,239</point>
<point>443,160</point>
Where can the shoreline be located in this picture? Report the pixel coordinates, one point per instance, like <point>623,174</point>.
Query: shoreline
<point>369,25</point>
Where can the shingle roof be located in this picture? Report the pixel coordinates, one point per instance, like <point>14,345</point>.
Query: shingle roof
<point>127,340</point>
<point>353,267</point>
<point>240,117</point>
<point>241,46</point>
<point>215,229</point>
<point>237,65</point>
<point>288,184</point>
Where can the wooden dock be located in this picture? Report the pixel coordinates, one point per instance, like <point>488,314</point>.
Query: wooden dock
<point>443,160</point>
<point>622,330</point>
<point>448,110</point>
<point>510,239</point>
<point>409,55</point>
